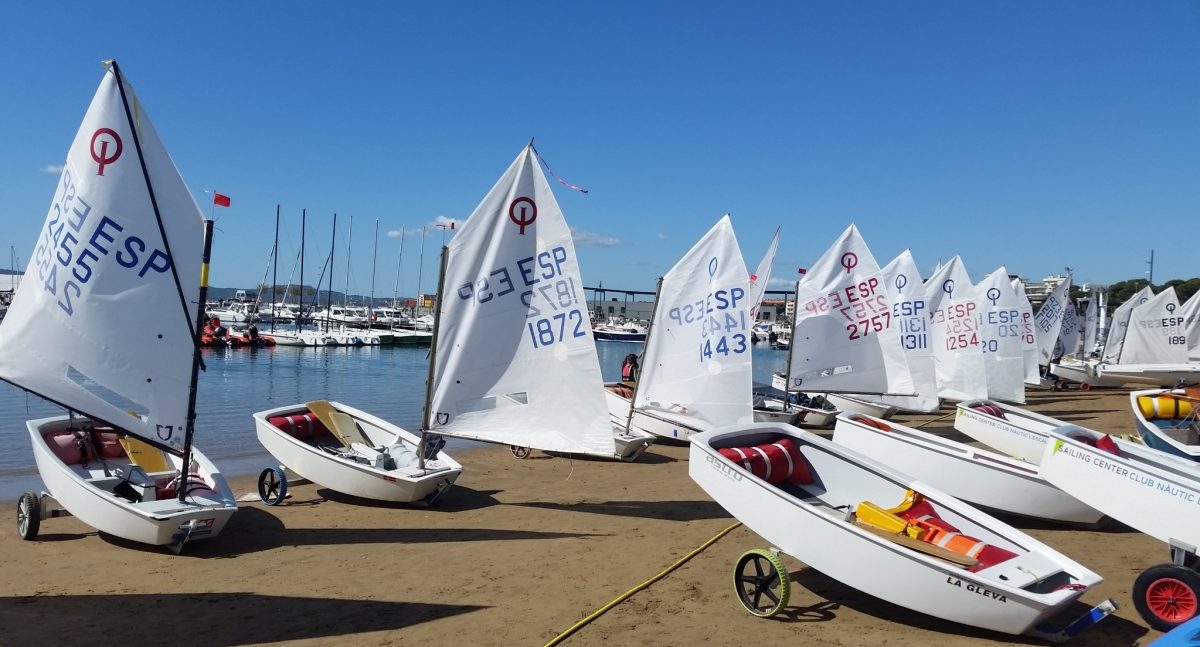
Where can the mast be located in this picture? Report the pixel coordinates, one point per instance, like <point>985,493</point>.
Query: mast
<point>787,372</point>
<point>181,490</point>
<point>642,374</point>
<point>420,268</point>
<point>437,319</point>
<point>303,227</point>
<point>399,261</point>
<point>275,268</point>
<point>349,238</point>
<point>329,294</point>
<point>374,256</point>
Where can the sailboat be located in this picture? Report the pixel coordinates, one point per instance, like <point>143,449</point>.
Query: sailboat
<point>1190,311</point>
<point>1001,327</point>
<point>513,359</point>
<point>696,370</point>
<point>1146,344</point>
<point>106,329</point>
<point>844,339</point>
<point>1029,349</point>
<point>768,407</point>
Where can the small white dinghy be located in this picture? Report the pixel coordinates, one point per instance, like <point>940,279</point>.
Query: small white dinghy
<point>124,249</point>
<point>513,359</point>
<point>349,451</point>
<point>845,340</point>
<point>1148,490</point>
<point>973,474</point>
<point>1167,420</point>
<point>881,532</point>
<point>696,367</point>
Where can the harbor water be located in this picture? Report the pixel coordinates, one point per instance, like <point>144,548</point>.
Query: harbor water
<point>388,381</point>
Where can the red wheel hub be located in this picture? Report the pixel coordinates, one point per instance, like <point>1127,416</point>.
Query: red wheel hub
<point>1171,599</point>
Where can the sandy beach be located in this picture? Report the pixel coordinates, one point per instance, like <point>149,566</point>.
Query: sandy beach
<point>517,553</point>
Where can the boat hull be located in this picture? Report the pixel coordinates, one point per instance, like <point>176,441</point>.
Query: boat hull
<point>657,425</point>
<point>1157,497</point>
<point>811,527</point>
<point>972,474</point>
<point>157,523</point>
<point>401,485</point>
<point>1176,435</point>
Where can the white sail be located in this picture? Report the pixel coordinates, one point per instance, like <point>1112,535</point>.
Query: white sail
<point>762,276</point>
<point>1091,327</point>
<point>516,362</point>
<point>954,333</point>
<point>1119,325</point>
<point>1049,318</point>
<point>844,338</point>
<point>99,324</point>
<point>697,358</point>
<point>906,290</point>
<point>1155,332</point>
<point>1191,325</point>
<point>1000,337</point>
<point>1029,349</point>
<point>1069,333</point>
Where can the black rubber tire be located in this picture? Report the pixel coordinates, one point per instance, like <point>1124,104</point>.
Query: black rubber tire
<point>29,516</point>
<point>761,574</point>
<point>1167,595</point>
<point>520,452</point>
<point>272,486</point>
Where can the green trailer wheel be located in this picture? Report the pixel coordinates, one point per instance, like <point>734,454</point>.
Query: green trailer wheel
<point>762,583</point>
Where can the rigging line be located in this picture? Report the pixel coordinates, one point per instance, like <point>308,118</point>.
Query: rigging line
<point>162,230</point>
<point>644,585</point>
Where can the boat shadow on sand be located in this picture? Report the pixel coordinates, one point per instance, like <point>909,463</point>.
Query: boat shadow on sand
<point>255,530</point>
<point>1111,631</point>
<point>113,619</point>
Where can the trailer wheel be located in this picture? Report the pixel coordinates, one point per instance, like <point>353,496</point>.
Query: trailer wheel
<point>29,515</point>
<point>762,583</point>
<point>272,486</point>
<point>520,452</point>
<point>1167,595</point>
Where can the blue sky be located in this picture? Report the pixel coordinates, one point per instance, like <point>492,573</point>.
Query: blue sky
<point>1036,135</point>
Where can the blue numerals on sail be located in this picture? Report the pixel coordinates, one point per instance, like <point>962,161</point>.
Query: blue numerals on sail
<point>552,299</point>
<point>722,319</point>
<point>80,241</point>
<point>914,334</point>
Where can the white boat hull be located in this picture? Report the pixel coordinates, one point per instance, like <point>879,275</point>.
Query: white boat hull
<point>1181,434</point>
<point>972,474</point>
<point>856,405</point>
<point>405,484</point>
<point>154,522</point>
<point>655,424</point>
<point>1085,373</point>
<point>1151,374</point>
<point>1158,496</point>
<point>810,526</point>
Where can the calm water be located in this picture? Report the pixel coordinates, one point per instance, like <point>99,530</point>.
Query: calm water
<point>386,381</point>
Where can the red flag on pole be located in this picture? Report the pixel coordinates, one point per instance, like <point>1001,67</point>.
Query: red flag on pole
<point>220,200</point>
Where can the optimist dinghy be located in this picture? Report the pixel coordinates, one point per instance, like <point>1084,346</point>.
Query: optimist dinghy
<point>973,474</point>
<point>349,451</point>
<point>696,371</point>
<point>513,359</point>
<point>1167,420</point>
<point>1146,489</point>
<point>879,531</point>
<point>125,250</point>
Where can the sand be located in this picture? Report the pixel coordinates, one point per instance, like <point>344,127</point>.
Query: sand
<point>518,552</point>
